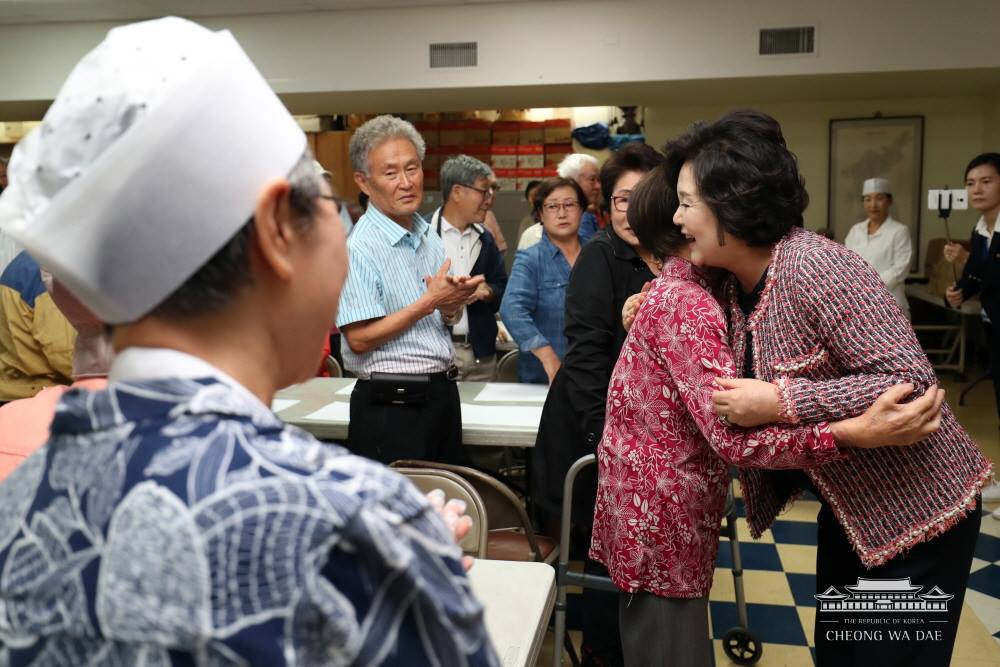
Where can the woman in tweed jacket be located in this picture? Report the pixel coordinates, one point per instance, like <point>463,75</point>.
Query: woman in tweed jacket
<point>814,324</point>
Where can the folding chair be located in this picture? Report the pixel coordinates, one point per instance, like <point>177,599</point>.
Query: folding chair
<point>510,535</point>
<point>429,478</point>
<point>507,367</point>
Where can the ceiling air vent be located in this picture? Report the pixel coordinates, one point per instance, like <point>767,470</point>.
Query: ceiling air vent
<point>455,54</point>
<point>783,41</point>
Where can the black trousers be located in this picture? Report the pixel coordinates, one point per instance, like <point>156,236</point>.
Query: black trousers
<point>670,632</point>
<point>387,433</point>
<point>845,639</point>
<point>993,343</point>
<point>602,638</point>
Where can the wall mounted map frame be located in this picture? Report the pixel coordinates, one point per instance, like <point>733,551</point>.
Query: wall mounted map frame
<point>882,146</point>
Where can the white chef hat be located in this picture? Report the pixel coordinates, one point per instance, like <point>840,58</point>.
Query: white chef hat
<point>875,185</point>
<point>149,160</point>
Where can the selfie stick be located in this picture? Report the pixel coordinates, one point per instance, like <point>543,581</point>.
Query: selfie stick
<point>944,210</point>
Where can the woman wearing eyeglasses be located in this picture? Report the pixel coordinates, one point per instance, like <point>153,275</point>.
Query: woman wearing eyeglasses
<point>612,266</point>
<point>533,308</point>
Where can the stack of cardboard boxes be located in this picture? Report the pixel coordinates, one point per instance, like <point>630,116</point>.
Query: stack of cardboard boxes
<point>518,151</point>
<point>448,138</point>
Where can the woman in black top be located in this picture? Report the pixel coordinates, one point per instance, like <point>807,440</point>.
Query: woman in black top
<point>611,267</point>
<point>982,270</point>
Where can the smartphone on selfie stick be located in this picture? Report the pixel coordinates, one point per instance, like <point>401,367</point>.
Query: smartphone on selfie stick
<point>944,202</point>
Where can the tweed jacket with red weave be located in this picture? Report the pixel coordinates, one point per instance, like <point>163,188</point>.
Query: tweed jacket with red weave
<point>829,333</point>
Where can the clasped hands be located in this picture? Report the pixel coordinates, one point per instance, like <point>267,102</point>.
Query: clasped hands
<point>455,518</point>
<point>449,293</point>
<point>888,422</point>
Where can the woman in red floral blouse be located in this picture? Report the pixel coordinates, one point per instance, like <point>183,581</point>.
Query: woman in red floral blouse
<point>816,327</point>
<point>663,458</point>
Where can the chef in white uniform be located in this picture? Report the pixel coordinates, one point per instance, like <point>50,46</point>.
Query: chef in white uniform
<point>883,242</point>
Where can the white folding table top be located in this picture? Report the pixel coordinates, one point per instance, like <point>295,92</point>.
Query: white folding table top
<point>518,598</point>
<point>493,414</point>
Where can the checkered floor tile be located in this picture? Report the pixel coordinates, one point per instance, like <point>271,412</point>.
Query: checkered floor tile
<point>779,582</point>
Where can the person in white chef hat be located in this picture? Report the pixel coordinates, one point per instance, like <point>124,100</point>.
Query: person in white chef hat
<point>881,241</point>
<point>173,515</point>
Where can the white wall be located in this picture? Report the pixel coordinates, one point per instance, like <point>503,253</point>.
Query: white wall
<point>549,43</point>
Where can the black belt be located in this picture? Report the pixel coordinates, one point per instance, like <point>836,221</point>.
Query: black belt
<point>460,338</point>
<point>449,374</point>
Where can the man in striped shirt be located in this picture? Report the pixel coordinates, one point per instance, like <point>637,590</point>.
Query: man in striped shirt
<point>396,305</point>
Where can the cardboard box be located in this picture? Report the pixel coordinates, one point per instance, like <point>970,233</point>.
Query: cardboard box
<point>558,131</point>
<point>525,176</point>
<point>530,157</point>
<point>451,133</point>
<point>430,130</point>
<point>445,152</point>
<point>555,153</point>
<point>477,132</point>
<point>531,133</point>
<point>482,152</point>
<point>506,178</point>
<point>432,159</point>
<point>503,157</point>
<point>506,132</point>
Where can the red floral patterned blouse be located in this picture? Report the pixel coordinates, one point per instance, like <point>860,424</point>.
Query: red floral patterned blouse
<point>663,459</point>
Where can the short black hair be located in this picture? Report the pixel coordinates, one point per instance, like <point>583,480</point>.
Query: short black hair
<point>745,174</point>
<point>546,187</point>
<point>219,279</point>
<point>992,159</point>
<point>651,209</point>
<point>527,190</point>
<point>633,156</point>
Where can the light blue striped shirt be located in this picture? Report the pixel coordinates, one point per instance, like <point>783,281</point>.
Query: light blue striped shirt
<point>386,274</point>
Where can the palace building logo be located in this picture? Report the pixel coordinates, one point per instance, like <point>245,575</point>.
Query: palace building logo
<point>884,595</point>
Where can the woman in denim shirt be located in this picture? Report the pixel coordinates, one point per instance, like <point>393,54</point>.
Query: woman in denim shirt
<point>534,305</point>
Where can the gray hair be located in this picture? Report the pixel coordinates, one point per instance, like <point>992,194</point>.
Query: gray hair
<point>376,131</point>
<point>217,282</point>
<point>573,164</point>
<point>461,170</point>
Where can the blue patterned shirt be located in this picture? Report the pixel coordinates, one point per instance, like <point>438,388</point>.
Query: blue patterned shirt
<point>179,521</point>
<point>534,306</point>
<point>387,265</point>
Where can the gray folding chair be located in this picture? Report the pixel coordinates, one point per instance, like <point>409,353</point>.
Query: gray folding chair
<point>428,479</point>
<point>507,367</point>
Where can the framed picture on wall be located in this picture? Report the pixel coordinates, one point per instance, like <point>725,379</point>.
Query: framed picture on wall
<point>884,146</point>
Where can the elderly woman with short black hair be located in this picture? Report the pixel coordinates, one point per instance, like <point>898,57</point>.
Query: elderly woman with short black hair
<point>664,454</point>
<point>815,324</point>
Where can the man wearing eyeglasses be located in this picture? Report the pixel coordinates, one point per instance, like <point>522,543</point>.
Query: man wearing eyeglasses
<point>467,195</point>
<point>400,296</point>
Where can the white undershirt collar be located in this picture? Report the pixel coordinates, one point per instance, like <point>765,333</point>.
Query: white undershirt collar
<point>158,363</point>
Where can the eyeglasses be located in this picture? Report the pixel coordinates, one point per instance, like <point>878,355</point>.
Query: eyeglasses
<point>569,206</point>
<point>620,203</point>
<point>488,193</point>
